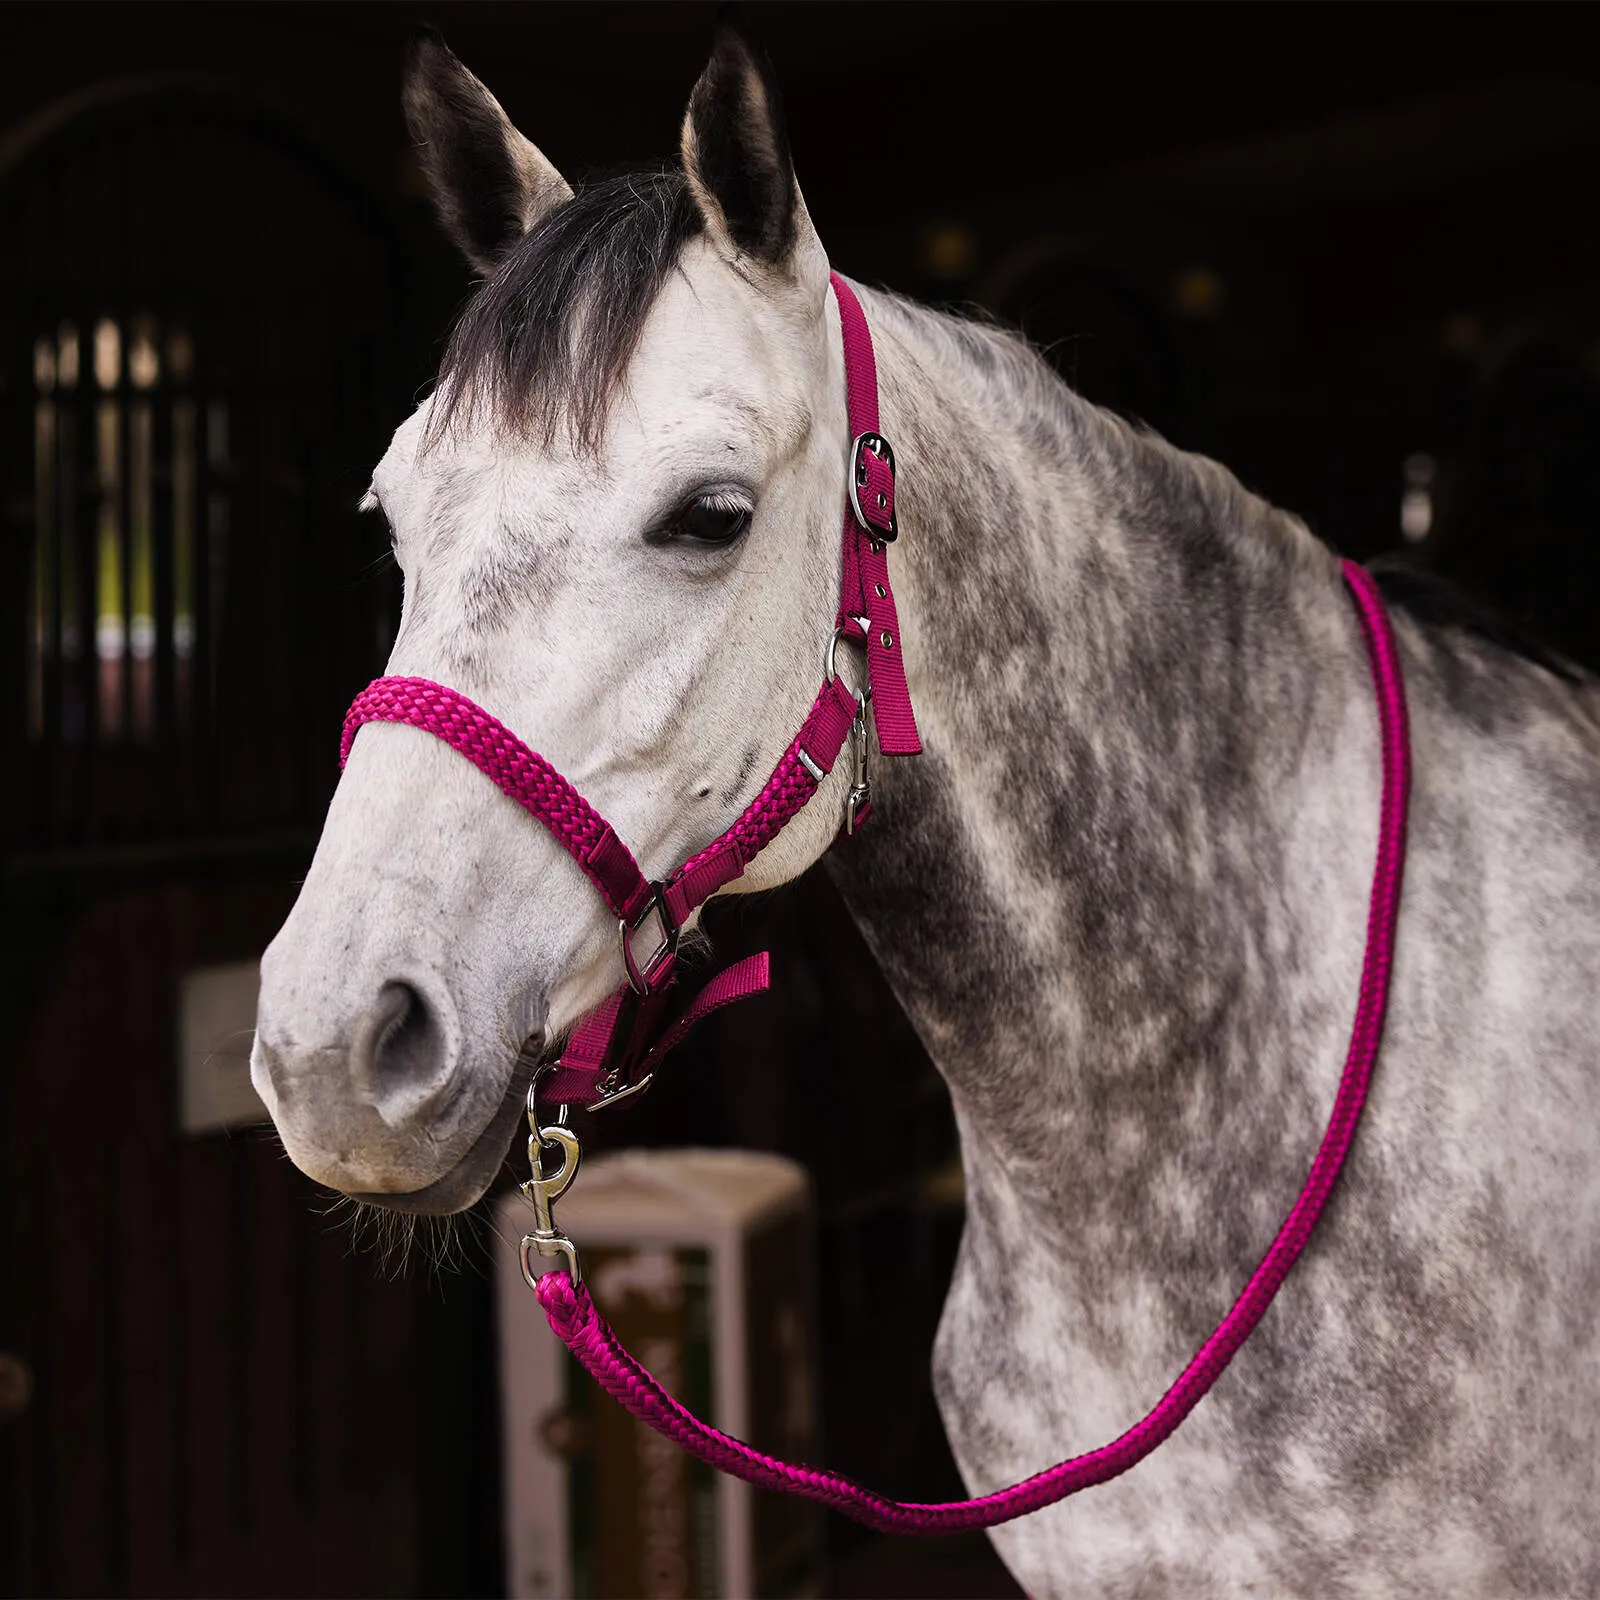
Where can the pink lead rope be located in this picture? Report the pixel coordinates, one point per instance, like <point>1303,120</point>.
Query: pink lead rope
<point>614,1049</point>
<point>585,1332</point>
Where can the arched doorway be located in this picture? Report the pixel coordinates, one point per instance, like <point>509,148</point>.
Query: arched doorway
<point>196,373</point>
<point>201,310</point>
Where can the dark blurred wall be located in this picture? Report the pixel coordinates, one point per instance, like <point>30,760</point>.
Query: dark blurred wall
<point>1292,236</point>
<point>1347,250</point>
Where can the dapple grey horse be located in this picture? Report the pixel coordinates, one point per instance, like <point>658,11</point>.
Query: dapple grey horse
<point>1121,895</point>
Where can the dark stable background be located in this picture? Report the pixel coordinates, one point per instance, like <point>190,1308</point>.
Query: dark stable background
<point>1347,250</point>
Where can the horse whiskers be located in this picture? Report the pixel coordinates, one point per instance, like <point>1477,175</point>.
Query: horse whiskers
<point>446,1244</point>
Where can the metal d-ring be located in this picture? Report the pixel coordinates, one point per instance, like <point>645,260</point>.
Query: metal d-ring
<point>533,1102</point>
<point>830,664</point>
<point>860,795</point>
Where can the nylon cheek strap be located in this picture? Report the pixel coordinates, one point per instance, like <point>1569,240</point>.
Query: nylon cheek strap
<point>613,1048</point>
<point>870,525</point>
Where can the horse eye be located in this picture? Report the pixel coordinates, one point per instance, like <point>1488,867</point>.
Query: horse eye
<point>712,519</point>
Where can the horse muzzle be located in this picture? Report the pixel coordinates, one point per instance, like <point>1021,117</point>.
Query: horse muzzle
<point>394,1104</point>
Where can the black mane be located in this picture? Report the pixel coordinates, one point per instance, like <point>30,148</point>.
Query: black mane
<point>552,332</point>
<point>1435,600</point>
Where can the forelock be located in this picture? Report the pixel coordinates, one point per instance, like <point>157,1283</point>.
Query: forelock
<point>550,335</point>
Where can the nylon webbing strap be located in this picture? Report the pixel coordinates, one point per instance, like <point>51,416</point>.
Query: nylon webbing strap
<point>865,590</point>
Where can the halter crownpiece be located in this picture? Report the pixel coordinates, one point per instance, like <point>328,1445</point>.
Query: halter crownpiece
<point>613,1049</point>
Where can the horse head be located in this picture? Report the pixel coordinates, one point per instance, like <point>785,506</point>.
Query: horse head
<point>617,519</point>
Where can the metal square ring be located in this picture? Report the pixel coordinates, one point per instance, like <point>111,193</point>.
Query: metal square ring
<point>640,977</point>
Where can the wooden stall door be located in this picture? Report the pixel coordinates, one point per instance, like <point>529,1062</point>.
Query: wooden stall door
<point>197,360</point>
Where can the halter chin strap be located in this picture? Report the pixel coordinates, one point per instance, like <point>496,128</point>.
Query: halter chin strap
<point>613,1049</point>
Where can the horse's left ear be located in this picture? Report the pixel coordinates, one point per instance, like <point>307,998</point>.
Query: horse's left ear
<point>736,157</point>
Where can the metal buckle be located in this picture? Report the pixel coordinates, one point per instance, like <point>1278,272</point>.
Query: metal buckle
<point>640,978</point>
<point>879,446</point>
<point>613,1089</point>
<point>613,1097</point>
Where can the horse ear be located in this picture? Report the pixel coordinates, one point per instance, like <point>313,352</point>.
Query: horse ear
<point>489,184</point>
<point>736,154</point>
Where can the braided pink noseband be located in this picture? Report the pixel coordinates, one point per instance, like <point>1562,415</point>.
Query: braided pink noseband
<point>609,1047</point>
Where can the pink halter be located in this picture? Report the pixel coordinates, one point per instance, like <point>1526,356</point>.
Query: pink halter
<point>610,1049</point>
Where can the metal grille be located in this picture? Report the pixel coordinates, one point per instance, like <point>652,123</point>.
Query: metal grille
<point>189,404</point>
<point>195,379</point>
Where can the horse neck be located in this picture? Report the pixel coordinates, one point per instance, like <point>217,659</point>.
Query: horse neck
<point>1148,730</point>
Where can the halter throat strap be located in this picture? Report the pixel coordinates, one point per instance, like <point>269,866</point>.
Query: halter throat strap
<point>614,1047</point>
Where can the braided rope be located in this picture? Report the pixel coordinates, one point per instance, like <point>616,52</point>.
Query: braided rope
<point>783,794</point>
<point>573,1317</point>
<point>497,752</point>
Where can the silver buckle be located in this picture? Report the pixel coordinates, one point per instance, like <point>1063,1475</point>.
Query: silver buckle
<point>615,1097</point>
<point>879,446</point>
<point>641,977</point>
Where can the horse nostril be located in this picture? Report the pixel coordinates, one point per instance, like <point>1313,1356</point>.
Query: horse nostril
<point>409,1047</point>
